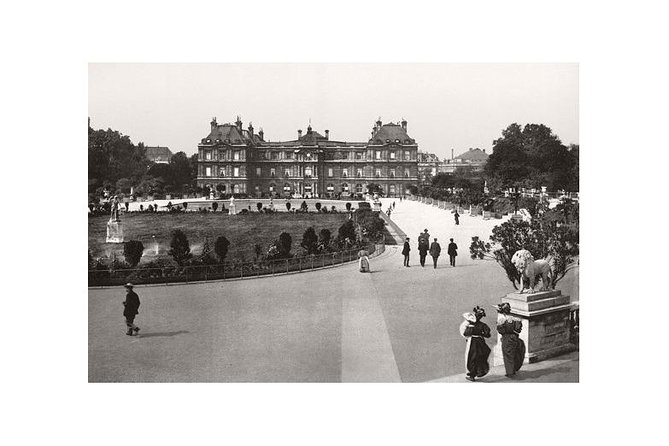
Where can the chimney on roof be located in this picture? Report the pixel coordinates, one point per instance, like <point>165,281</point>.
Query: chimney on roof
<point>214,125</point>
<point>251,128</point>
<point>452,154</point>
<point>239,123</point>
<point>327,134</point>
<point>379,123</point>
<point>404,124</point>
<point>261,134</point>
<point>299,134</point>
<point>483,150</point>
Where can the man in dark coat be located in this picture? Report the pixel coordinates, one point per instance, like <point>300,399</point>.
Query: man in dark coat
<point>423,247</point>
<point>452,252</point>
<point>457,218</point>
<point>405,251</point>
<point>435,251</point>
<point>131,308</point>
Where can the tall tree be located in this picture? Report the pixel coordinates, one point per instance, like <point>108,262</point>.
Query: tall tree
<point>181,170</point>
<point>530,156</point>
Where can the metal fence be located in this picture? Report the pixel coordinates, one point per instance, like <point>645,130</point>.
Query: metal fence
<point>228,270</point>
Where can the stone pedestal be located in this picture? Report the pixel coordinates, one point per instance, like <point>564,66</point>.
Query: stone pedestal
<point>546,324</point>
<point>114,231</point>
<point>233,209</point>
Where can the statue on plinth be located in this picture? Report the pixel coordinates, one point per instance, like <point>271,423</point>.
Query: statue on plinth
<point>529,269</point>
<point>114,227</point>
<point>114,209</point>
<point>233,208</point>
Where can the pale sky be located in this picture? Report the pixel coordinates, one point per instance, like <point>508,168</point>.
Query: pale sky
<point>447,106</point>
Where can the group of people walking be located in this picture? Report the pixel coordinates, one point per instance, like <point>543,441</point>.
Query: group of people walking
<point>477,351</point>
<point>434,249</point>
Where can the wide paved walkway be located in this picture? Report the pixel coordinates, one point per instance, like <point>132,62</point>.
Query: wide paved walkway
<point>331,325</point>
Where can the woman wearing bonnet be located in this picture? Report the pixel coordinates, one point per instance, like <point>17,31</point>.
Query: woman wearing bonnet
<point>477,351</point>
<point>513,348</point>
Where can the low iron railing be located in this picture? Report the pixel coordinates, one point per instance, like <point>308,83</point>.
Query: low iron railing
<point>228,270</point>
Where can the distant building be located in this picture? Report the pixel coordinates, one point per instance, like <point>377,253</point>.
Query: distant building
<point>473,160</point>
<point>234,160</point>
<point>160,155</point>
<point>428,166</point>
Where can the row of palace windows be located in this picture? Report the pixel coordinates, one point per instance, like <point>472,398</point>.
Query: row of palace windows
<point>358,155</point>
<point>359,173</point>
<point>236,155</point>
<point>344,187</point>
<point>309,172</point>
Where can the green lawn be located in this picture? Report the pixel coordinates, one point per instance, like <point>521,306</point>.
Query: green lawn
<point>243,231</point>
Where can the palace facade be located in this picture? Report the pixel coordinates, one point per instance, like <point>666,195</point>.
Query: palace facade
<point>234,160</point>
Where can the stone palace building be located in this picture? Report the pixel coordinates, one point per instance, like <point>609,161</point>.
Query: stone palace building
<point>234,160</point>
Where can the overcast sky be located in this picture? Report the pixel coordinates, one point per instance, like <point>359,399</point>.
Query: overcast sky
<point>447,106</point>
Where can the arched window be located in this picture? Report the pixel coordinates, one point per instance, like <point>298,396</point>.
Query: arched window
<point>344,187</point>
<point>358,188</point>
<point>286,187</point>
<point>330,187</point>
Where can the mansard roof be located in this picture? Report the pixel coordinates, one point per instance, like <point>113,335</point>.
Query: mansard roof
<point>390,133</point>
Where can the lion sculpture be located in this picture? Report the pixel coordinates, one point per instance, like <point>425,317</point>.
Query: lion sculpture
<point>530,269</point>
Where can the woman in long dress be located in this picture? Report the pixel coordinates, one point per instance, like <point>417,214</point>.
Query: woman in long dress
<point>513,348</point>
<point>477,351</point>
<point>363,261</point>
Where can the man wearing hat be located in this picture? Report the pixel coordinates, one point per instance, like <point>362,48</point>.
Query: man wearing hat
<point>131,308</point>
<point>405,251</point>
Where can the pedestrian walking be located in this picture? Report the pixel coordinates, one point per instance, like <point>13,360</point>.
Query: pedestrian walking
<point>513,348</point>
<point>131,309</point>
<point>405,251</point>
<point>476,351</point>
<point>435,251</point>
<point>393,205</point>
<point>423,248</point>
<point>457,217</point>
<point>452,252</point>
<point>363,261</point>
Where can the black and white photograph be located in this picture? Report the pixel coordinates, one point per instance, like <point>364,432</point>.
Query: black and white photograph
<point>272,223</point>
<point>343,223</point>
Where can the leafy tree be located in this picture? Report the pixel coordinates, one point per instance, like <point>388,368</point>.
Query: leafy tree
<point>179,247</point>
<point>221,246</point>
<point>284,244</point>
<point>257,250</point>
<point>371,224</point>
<point>259,206</point>
<point>181,171</point>
<point>214,206</point>
<point>288,206</point>
<point>304,207</point>
<point>560,244</point>
<point>533,156</point>
<point>374,188</point>
<point>346,234</point>
<point>324,239</point>
<point>348,206</point>
<point>185,204</point>
<point>112,156</point>
<point>310,241</point>
<point>193,169</point>
<point>132,252</point>
<point>318,207</point>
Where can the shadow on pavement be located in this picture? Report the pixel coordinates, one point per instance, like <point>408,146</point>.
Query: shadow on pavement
<point>164,334</point>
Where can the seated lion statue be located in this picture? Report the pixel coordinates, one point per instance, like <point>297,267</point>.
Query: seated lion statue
<point>530,269</point>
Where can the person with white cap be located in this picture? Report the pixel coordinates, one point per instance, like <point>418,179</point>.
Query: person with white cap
<point>476,351</point>
<point>363,261</point>
<point>131,309</point>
